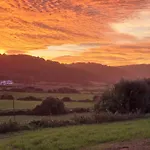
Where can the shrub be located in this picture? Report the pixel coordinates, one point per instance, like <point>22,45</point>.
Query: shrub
<point>50,106</point>
<point>12,112</point>
<point>79,110</point>
<point>84,120</point>
<point>66,99</point>
<point>29,98</point>
<point>44,123</point>
<point>126,96</point>
<point>7,97</point>
<point>96,98</point>
<point>67,90</point>
<point>25,89</point>
<point>9,127</point>
<point>85,100</point>
<point>63,90</point>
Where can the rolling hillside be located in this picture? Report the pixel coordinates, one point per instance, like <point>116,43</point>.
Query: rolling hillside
<point>25,68</point>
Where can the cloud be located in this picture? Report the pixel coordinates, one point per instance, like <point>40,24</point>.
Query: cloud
<point>138,26</point>
<point>73,47</point>
<point>80,21</point>
<point>11,52</point>
<point>112,55</point>
<point>91,27</point>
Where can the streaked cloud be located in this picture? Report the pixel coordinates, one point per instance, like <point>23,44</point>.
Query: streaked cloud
<point>112,55</point>
<point>88,30</point>
<point>138,26</point>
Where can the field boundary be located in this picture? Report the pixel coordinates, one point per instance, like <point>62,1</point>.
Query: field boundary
<point>77,120</point>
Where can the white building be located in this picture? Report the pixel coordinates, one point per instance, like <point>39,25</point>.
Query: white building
<point>6,82</point>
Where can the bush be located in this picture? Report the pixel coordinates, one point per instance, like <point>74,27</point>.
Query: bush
<point>126,96</point>
<point>84,120</point>
<point>66,99</point>
<point>12,112</point>
<point>79,110</point>
<point>67,90</point>
<point>25,89</point>
<point>50,123</point>
<point>63,90</point>
<point>50,106</point>
<point>7,97</point>
<point>29,98</point>
<point>9,127</point>
<point>84,100</point>
<point>96,98</point>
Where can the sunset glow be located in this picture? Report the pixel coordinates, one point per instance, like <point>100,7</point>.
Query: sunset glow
<point>112,32</point>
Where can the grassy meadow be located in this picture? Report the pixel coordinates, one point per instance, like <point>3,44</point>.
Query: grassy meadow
<point>84,137</point>
<point>8,104</point>
<point>80,96</point>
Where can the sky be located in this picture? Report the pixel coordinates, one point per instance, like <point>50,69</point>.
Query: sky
<point>110,32</point>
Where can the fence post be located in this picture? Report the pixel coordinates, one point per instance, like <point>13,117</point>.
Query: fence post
<point>14,110</point>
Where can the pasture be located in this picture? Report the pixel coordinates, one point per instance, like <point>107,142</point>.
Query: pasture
<point>80,96</point>
<point>85,137</point>
<point>8,104</point>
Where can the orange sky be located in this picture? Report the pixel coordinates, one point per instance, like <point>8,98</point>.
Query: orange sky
<point>112,32</point>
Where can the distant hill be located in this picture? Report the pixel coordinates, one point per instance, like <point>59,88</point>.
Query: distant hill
<point>25,68</point>
<point>138,71</point>
<point>103,72</point>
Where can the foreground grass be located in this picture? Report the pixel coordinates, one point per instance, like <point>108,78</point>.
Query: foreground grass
<point>8,104</point>
<point>77,137</point>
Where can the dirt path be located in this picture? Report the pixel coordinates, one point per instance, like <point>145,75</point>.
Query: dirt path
<point>134,145</point>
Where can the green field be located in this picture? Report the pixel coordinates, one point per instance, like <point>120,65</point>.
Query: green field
<point>8,104</point>
<point>77,137</point>
<point>81,96</point>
